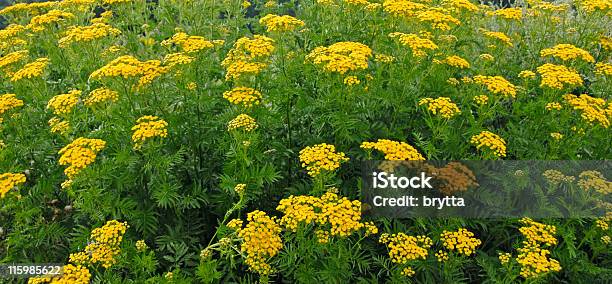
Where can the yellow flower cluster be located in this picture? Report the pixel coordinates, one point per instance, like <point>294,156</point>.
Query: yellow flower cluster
<point>87,33</point>
<point>595,5</point>
<point>527,74</point>
<point>408,272</point>
<point>248,56</point>
<point>127,66</point>
<point>491,141</point>
<point>558,76</point>
<point>104,245</point>
<point>240,188</point>
<point>454,61</point>
<point>593,110</point>
<point>331,214</point>
<point>101,95</point>
<point>596,181</point>
<point>59,126</point>
<point>276,23</point>
<point>481,100</point>
<point>71,274</point>
<point>533,259</point>
<point>603,69</point>
<point>321,158</point>
<point>508,13</point>
<point>496,85</point>
<point>189,43</point>
<point>260,241</point>
<point>9,102</point>
<point>555,177</point>
<point>500,36</point>
<point>31,70</point>
<point>148,127</point>
<point>394,151</point>
<point>442,106</point>
<point>404,248</point>
<point>486,57</point>
<point>351,80</point>
<point>462,241</point>
<point>417,45</point>
<point>79,154</point>
<point>141,245</point>
<point>384,58</point>
<point>438,18</point>
<point>461,5</point>
<point>39,23</point>
<point>34,8</point>
<point>504,257</point>
<point>242,121</point>
<point>8,60</point>
<point>553,106</point>
<point>567,52</point>
<point>442,256</point>
<point>245,96</point>
<point>64,103</point>
<point>402,8</point>
<point>9,181</point>
<point>341,57</point>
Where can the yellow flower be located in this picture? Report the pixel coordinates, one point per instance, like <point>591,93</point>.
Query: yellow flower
<point>321,158</point>
<point>455,61</point>
<point>79,154</point>
<point>462,241</point>
<point>508,13</point>
<point>73,274</point>
<point>567,52</point>
<point>527,74</point>
<point>500,36</point>
<point>481,100</point>
<point>408,272</point>
<point>496,85</point>
<point>486,57</point>
<point>442,106</point>
<point>351,80</point>
<point>341,57</point>
<point>417,45</point>
<point>248,56</point>
<point>243,122</point>
<point>9,59</point>
<point>101,95</point>
<point>490,141</point>
<point>394,151</point>
<point>59,126</point>
<point>402,8</point>
<point>87,33</point>
<point>39,23</point>
<point>603,69</point>
<point>504,257</point>
<point>439,18</point>
<point>245,96</point>
<point>556,135</point>
<point>595,5</point>
<point>9,102</point>
<point>553,106</point>
<point>148,127</point>
<point>276,23</point>
<point>31,70</point>
<point>104,245</point>
<point>64,103</point>
<point>9,181</point>
<point>404,248</point>
<point>141,245</point>
<point>190,44</point>
<point>558,76</point>
<point>260,241</point>
<point>593,110</point>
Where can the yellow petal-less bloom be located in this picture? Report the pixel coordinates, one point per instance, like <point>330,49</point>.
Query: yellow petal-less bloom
<point>73,274</point>
<point>248,56</point>
<point>59,126</point>
<point>490,141</point>
<point>593,110</point>
<point>9,181</point>
<point>341,57</point>
<point>500,36</point>
<point>404,248</point>
<point>189,43</point>
<point>402,8</point>
<point>244,96</point>
<point>104,245</point>
<point>603,69</point>
<point>508,13</point>
<point>64,103</point>
<point>39,23</point>
<point>31,70</point>
<point>276,23</point>
<point>418,45</point>
<point>243,122</point>
<point>79,154</point>
<point>148,127</point>
<point>527,74</point>
<point>87,33</point>
<point>394,150</point>
<point>9,102</point>
<point>462,241</point>
<point>260,241</point>
<point>438,18</point>
<point>321,158</point>
<point>567,52</point>
<point>101,95</point>
<point>558,76</point>
<point>442,106</point>
<point>496,85</point>
<point>454,61</point>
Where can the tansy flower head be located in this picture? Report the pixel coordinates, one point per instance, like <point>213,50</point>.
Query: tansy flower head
<point>393,150</point>
<point>496,85</point>
<point>79,154</point>
<point>244,96</point>
<point>462,241</point>
<point>418,45</point>
<point>321,158</point>
<point>442,106</point>
<point>87,33</point>
<point>276,23</point>
<point>101,95</point>
<point>341,57</point>
<point>148,127</point>
<point>64,103</point>
<point>31,70</point>
<point>9,102</point>
<point>455,61</point>
<point>9,181</point>
<point>567,52</point>
<point>558,76</point>
<point>243,122</point>
<point>490,141</point>
<point>260,241</point>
